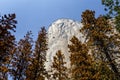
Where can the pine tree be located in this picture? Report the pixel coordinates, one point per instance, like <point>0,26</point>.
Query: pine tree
<point>105,73</point>
<point>101,39</point>
<point>36,70</point>
<point>21,58</point>
<point>58,67</point>
<point>82,65</point>
<point>113,8</point>
<point>7,43</point>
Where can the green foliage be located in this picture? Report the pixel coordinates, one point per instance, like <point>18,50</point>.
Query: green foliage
<point>113,8</point>
<point>117,22</point>
<point>105,73</point>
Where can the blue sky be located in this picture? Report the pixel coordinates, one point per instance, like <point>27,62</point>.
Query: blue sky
<point>33,14</point>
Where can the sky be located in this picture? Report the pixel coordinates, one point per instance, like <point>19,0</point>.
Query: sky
<point>33,14</point>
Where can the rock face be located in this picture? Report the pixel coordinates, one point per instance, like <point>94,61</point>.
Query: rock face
<point>59,35</point>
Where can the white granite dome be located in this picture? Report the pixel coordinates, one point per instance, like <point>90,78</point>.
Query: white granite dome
<point>59,34</point>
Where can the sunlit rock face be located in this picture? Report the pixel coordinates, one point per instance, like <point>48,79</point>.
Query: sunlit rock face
<point>59,34</point>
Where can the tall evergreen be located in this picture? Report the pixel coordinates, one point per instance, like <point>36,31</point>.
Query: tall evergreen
<point>59,69</point>
<point>7,43</point>
<point>36,70</point>
<point>101,39</point>
<point>21,58</point>
<point>81,62</point>
<point>113,9</point>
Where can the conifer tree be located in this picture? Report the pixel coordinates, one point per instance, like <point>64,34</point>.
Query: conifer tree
<point>81,62</point>
<point>58,67</point>
<point>36,70</point>
<point>83,65</point>
<point>113,8</point>
<point>7,43</point>
<point>21,58</point>
<point>101,39</point>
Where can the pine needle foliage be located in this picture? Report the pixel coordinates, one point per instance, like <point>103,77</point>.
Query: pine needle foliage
<point>100,38</point>
<point>59,69</point>
<point>21,58</point>
<point>36,70</point>
<point>82,65</point>
<point>7,42</point>
<point>113,9</point>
